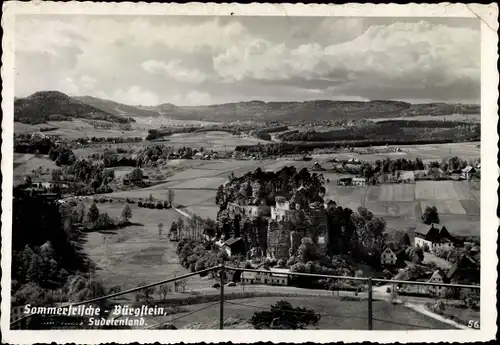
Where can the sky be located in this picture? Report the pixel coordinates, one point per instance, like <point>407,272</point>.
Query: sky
<point>188,60</point>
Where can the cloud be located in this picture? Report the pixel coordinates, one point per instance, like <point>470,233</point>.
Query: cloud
<point>136,95</point>
<point>417,54</point>
<point>175,70</point>
<point>141,59</point>
<point>198,98</point>
<point>68,86</point>
<point>38,35</point>
<point>88,82</point>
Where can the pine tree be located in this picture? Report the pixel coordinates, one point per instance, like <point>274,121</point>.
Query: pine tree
<point>93,214</point>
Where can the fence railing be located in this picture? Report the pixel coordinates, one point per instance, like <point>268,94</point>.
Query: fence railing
<point>226,292</point>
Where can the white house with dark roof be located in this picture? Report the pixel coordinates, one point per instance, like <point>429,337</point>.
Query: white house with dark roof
<point>468,171</point>
<point>359,181</point>
<point>435,236</point>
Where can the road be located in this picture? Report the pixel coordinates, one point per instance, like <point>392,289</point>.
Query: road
<point>379,292</point>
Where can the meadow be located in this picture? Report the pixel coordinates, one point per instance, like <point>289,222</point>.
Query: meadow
<point>430,152</point>
<point>137,248</point>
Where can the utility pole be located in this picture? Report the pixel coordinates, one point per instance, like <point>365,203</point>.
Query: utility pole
<point>370,304</point>
<point>221,321</point>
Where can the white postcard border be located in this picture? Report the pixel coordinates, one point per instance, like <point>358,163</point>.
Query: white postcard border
<point>489,185</point>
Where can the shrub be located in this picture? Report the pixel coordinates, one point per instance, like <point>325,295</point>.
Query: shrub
<point>284,316</point>
<point>439,307</point>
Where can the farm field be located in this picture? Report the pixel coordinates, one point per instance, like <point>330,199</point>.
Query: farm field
<point>335,314</point>
<point>137,248</point>
<point>401,205</point>
<point>155,122</point>
<point>219,141</point>
<point>431,152</point>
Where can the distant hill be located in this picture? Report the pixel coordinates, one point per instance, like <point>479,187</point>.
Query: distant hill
<point>42,105</point>
<point>116,108</point>
<point>309,110</point>
<point>56,106</point>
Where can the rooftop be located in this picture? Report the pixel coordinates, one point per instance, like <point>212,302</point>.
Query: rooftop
<point>232,241</point>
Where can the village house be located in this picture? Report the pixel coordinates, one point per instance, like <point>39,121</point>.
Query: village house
<point>464,271</point>
<point>345,181</point>
<point>467,172</point>
<point>388,257</point>
<point>435,236</point>
<point>278,276</point>
<point>406,177</point>
<point>233,246</point>
<point>437,277</point>
<point>273,276</point>
<point>359,181</point>
<point>249,278</point>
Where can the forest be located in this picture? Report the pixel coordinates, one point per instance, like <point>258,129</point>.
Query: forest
<point>391,131</point>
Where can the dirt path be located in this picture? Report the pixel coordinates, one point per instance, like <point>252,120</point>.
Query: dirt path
<point>423,310</point>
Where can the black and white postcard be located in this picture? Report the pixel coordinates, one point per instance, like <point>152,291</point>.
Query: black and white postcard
<point>207,172</point>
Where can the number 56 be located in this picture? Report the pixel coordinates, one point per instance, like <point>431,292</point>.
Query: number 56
<point>473,324</point>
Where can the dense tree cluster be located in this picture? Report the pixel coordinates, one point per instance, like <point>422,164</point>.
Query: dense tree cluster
<point>44,256</point>
<point>61,155</point>
<point>29,143</point>
<point>260,187</point>
<point>430,215</point>
<point>197,256</point>
<point>90,177</point>
<point>113,140</point>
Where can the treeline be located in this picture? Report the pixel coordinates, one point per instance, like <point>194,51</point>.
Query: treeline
<point>392,131</point>
<point>276,149</point>
<point>160,133</point>
<point>233,128</point>
<point>110,140</point>
<point>265,133</point>
<point>385,166</point>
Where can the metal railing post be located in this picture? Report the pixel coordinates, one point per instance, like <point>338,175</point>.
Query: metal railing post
<point>370,304</point>
<point>222,273</point>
